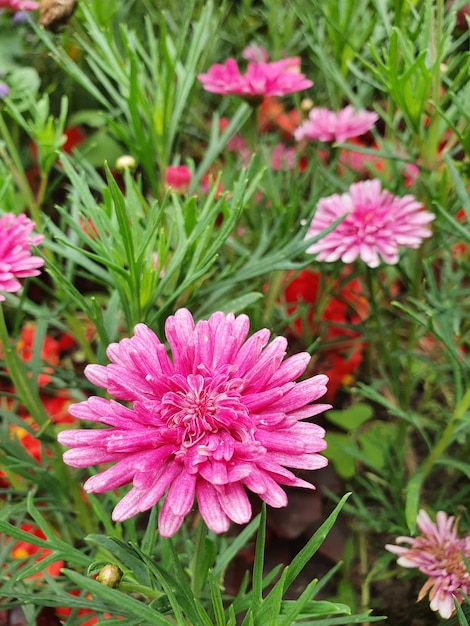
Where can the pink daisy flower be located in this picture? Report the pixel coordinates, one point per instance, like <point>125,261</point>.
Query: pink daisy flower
<point>261,79</point>
<point>375,225</point>
<point>326,125</point>
<point>438,553</point>
<point>222,415</point>
<point>16,260</point>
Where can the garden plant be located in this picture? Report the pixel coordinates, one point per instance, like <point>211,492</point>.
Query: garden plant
<point>234,312</point>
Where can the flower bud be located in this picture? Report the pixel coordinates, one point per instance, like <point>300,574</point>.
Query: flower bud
<point>4,89</point>
<point>178,178</point>
<point>126,162</point>
<point>306,105</point>
<point>109,575</point>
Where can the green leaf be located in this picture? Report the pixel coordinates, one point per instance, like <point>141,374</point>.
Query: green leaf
<point>458,465</point>
<point>217,601</point>
<point>375,442</point>
<point>338,451</point>
<point>297,609</point>
<point>125,554</point>
<point>119,601</point>
<point>304,556</point>
<point>258,565</point>
<point>459,185</point>
<point>225,557</point>
<point>412,497</point>
<point>351,418</point>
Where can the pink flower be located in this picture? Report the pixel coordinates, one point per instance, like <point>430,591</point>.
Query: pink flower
<point>178,178</point>
<point>375,225</point>
<point>19,5</point>
<point>437,553</point>
<point>261,80</point>
<point>283,157</point>
<point>326,125</point>
<point>16,260</point>
<point>254,52</point>
<point>222,415</point>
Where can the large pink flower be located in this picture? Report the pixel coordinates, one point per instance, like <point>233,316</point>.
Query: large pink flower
<point>222,415</point>
<point>16,260</point>
<point>261,79</point>
<point>438,553</point>
<point>375,225</point>
<point>327,125</point>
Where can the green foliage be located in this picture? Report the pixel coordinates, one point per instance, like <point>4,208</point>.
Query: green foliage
<point>120,248</point>
<point>143,86</point>
<point>155,592</point>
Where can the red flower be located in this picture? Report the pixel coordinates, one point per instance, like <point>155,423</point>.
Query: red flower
<point>207,182</point>
<point>273,117</point>
<point>24,550</point>
<point>73,138</point>
<point>49,351</point>
<point>334,317</point>
<point>63,612</point>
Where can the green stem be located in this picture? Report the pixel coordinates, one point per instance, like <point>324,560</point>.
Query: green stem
<point>447,435</point>
<point>364,569</point>
<point>375,316</point>
<point>430,148</point>
<point>24,386</point>
<point>199,564</point>
<point>272,297</point>
<point>11,155</point>
<point>252,126</point>
<point>41,194</point>
<point>76,327</point>
<point>147,592</point>
<point>415,293</point>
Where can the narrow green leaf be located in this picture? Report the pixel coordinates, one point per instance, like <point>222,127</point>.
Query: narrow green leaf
<point>304,556</point>
<point>412,496</point>
<point>257,581</point>
<point>226,557</point>
<point>118,600</point>
<point>217,601</point>
<point>125,554</point>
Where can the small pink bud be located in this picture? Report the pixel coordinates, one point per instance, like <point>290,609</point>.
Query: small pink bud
<point>178,178</point>
<point>254,52</point>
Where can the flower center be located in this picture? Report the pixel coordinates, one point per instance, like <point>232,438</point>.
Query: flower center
<point>365,222</point>
<point>448,561</point>
<point>200,407</point>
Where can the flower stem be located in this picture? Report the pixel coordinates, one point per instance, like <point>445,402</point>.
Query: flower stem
<point>378,327</point>
<point>275,286</point>
<point>199,562</point>
<point>24,386</point>
<point>252,125</point>
<point>430,148</point>
<point>11,156</point>
<point>447,435</point>
<point>364,569</point>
